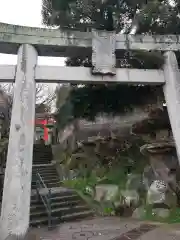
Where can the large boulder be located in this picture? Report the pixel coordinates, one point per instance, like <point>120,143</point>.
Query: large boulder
<point>89,191</point>
<point>161,212</point>
<point>156,192</point>
<point>160,195</point>
<point>148,176</point>
<point>129,197</point>
<point>139,213</point>
<point>163,161</point>
<point>134,181</point>
<point>106,192</point>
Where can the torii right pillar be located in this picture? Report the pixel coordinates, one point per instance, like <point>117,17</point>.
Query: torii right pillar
<point>171,90</point>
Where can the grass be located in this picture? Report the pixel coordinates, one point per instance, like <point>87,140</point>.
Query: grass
<point>174,216</point>
<point>80,185</point>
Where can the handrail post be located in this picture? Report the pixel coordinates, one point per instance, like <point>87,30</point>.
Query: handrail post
<point>49,214</point>
<point>45,199</point>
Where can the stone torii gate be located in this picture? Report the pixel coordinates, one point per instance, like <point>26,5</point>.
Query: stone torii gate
<point>29,43</point>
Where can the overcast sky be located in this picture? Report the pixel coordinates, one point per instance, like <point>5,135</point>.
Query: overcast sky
<point>27,13</point>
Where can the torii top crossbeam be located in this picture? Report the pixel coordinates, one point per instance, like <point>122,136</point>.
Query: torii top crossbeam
<point>44,42</point>
<point>50,42</point>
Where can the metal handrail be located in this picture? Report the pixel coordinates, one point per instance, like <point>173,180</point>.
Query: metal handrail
<point>45,197</point>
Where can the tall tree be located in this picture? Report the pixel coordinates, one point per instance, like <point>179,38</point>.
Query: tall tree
<point>155,16</point>
<point>152,17</point>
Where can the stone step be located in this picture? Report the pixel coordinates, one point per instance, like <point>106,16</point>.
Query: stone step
<point>48,180</point>
<point>40,205</point>
<point>61,211</point>
<point>38,155</point>
<point>48,185</point>
<point>57,220</point>
<point>48,175</point>
<point>44,170</point>
<point>34,178</point>
<point>45,175</point>
<point>44,166</point>
<point>54,179</point>
<point>65,197</point>
<point>41,155</point>
<point>45,157</point>
<point>58,197</point>
<point>77,216</point>
<point>43,221</point>
<point>42,161</point>
<point>52,173</point>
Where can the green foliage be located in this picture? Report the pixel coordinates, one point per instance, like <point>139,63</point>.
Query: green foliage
<point>116,176</point>
<point>82,184</point>
<point>109,210</point>
<point>123,157</point>
<point>113,99</point>
<point>64,115</point>
<point>152,17</point>
<point>132,59</point>
<point>81,14</point>
<point>174,215</point>
<point>156,16</point>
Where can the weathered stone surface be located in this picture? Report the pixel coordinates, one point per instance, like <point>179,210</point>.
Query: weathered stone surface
<point>163,161</point>
<point>17,182</point>
<point>160,212</point>
<point>139,213</point>
<point>156,148</point>
<point>148,177</point>
<point>130,197</point>
<point>103,52</point>
<point>90,191</point>
<point>134,182</point>
<point>106,192</point>
<point>159,193</point>
<point>53,42</point>
<point>171,92</point>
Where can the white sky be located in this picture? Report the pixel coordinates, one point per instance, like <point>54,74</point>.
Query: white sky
<point>26,13</point>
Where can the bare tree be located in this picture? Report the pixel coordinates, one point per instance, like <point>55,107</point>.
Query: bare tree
<point>44,95</point>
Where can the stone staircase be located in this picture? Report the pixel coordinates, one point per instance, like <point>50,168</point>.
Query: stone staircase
<point>66,205</point>
<point>48,173</point>
<point>42,154</point>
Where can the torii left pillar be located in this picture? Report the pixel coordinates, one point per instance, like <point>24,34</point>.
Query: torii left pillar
<point>17,183</point>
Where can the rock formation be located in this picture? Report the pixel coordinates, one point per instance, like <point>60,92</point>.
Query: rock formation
<point>161,176</point>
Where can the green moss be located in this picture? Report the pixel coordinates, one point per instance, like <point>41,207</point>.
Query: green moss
<point>174,216</point>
